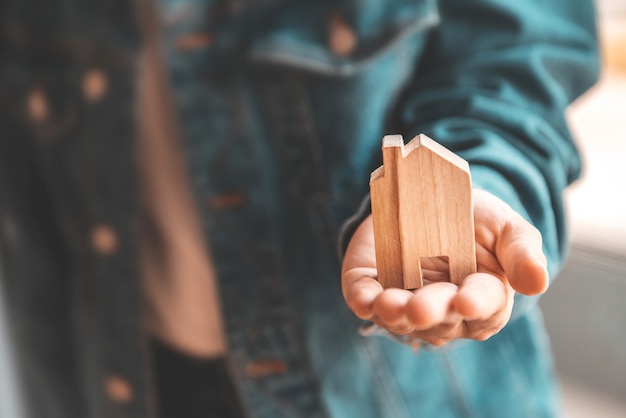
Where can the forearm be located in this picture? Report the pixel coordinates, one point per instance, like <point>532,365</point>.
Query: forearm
<point>495,92</point>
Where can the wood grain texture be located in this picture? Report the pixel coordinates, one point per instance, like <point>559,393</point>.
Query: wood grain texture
<point>421,207</point>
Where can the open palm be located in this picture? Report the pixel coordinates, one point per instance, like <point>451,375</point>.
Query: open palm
<point>509,259</point>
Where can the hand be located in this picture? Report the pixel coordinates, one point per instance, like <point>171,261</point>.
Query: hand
<point>509,259</point>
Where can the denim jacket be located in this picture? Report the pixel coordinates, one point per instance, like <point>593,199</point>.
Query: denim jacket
<point>282,105</point>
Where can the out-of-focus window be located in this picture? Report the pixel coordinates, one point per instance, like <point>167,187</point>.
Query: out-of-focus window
<point>584,309</point>
<point>597,203</point>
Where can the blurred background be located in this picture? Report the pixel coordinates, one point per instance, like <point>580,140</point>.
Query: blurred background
<point>585,309</point>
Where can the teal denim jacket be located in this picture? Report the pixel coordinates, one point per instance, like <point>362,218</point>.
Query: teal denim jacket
<point>282,106</point>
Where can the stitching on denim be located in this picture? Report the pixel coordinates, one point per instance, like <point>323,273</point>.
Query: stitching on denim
<point>461,403</point>
<point>388,396</point>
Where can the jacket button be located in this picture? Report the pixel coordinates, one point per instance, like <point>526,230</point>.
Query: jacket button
<point>37,105</point>
<point>118,389</point>
<point>342,39</point>
<point>94,85</point>
<point>227,201</point>
<point>195,41</point>
<point>104,239</point>
<point>264,368</point>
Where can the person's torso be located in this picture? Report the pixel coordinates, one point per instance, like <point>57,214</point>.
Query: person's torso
<point>282,106</point>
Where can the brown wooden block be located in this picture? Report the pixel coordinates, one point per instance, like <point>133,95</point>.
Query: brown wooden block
<point>421,207</point>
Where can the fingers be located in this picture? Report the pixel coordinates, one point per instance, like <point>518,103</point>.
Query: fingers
<point>438,312</point>
<point>360,290</point>
<point>425,313</point>
<point>431,305</point>
<point>390,309</point>
<point>479,308</point>
<point>361,249</point>
<point>481,296</point>
<point>401,311</point>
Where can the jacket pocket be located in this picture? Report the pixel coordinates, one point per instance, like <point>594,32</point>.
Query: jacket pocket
<point>339,38</point>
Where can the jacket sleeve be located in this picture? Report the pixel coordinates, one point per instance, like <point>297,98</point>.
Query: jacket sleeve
<point>493,86</point>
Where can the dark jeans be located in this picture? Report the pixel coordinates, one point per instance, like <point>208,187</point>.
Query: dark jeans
<point>189,387</point>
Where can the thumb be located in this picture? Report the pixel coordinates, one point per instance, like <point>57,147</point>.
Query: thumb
<point>519,251</point>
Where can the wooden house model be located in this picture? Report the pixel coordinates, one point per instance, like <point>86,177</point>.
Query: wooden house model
<point>421,207</point>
